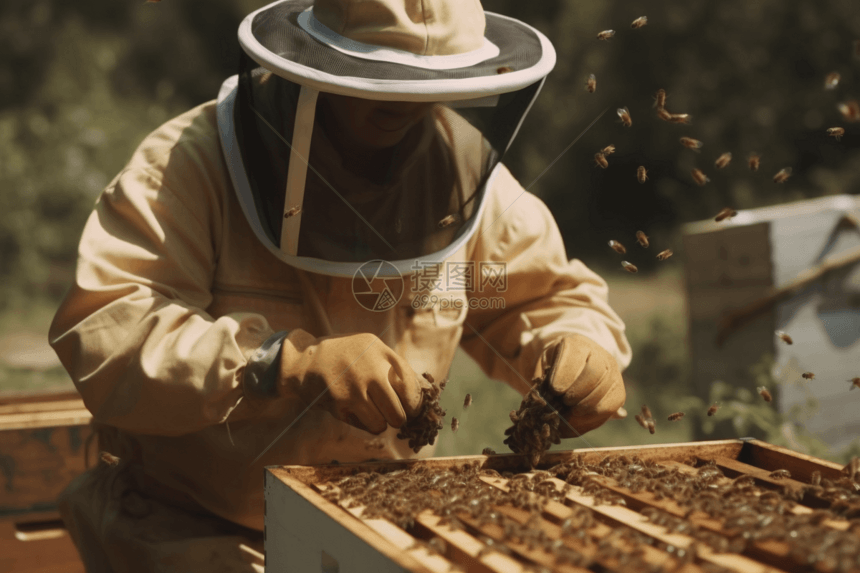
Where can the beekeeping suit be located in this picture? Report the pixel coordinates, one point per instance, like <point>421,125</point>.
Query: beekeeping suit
<point>241,234</point>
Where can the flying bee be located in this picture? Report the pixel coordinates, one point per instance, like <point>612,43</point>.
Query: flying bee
<point>608,150</point>
<point>639,22</point>
<point>652,427</point>
<point>642,239</point>
<point>782,175</point>
<point>292,212</point>
<point>646,412</point>
<point>641,421</point>
<point>723,160</point>
<point>836,132</point>
<point>691,143</point>
<point>591,83</point>
<point>676,416</point>
<point>765,394</point>
<point>699,177</point>
<point>447,221</point>
<point>600,160</point>
<point>455,424</point>
<point>754,161</point>
<point>850,110</point>
<point>784,337</point>
<point>629,267</point>
<point>660,99</point>
<point>855,383</point>
<point>831,80</point>
<point>663,255</point>
<point>467,401</point>
<point>680,117</point>
<point>713,409</point>
<point>617,247</point>
<point>624,114</point>
<point>808,376</point>
<point>641,174</point>
<point>726,213</point>
<point>109,459</point>
<point>663,113</point>
<point>605,34</point>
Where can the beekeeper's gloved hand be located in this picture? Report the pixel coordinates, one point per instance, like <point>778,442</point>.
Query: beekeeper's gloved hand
<point>356,377</point>
<point>588,379</point>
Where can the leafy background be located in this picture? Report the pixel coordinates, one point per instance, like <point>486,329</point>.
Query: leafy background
<point>81,83</point>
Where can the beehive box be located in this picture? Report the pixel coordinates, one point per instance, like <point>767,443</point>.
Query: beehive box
<point>733,267</point>
<point>306,532</point>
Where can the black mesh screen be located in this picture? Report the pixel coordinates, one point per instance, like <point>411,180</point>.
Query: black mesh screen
<point>278,30</point>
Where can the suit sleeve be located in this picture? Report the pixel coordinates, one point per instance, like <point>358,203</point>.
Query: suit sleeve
<point>132,331</point>
<point>520,257</point>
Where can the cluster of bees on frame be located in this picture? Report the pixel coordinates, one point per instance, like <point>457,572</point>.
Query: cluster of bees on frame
<point>505,511</point>
<point>850,111</point>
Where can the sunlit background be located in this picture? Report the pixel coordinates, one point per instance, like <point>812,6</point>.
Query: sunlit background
<point>81,84</point>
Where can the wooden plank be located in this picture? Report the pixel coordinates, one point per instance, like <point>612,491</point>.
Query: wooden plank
<point>769,457</point>
<point>49,419</point>
<point>622,516</point>
<point>734,468</point>
<point>42,397</point>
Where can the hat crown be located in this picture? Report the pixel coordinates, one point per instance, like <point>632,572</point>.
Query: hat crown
<point>422,27</point>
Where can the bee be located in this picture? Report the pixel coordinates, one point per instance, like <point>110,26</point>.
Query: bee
<point>488,452</point>
<point>836,132</point>
<point>642,239</point>
<point>723,160</point>
<point>624,114</point>
<point>605,34</point>
<point>641,421</point>
<point>782,175</point>
<point>646,412</point>
<point>676,416</point>
<point>808,376</point>
<point>726,213</point>
<point>652,427</point>
<point>639,22</point>
<point>699,177</point>
<point>292,212</point>
<point>664,114</point>
<point>600,160</point>
<point>850,110</point>
<point>455,424</point>
<point>591,84</point>
<point>629,267</point>
<point>663,255</point>
<point>765,394</point>
<point>447,221</point>
<point>713,409</point>
<point>608,150</point>
<point>691,143</point>
<point>780,474</point>
<point>504,70</point>
<point>617,247</point>
<point>660,99</point>
<point>784,337</point>
<point>109,459</point>
<point>680,117</point>
<point>855,383</point>
<point>831,80</point>
<point>467,401</point>
<point>754,161</point>
<point>641,174</point>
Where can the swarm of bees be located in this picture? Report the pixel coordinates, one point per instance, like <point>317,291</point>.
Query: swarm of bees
<point>536,424</point>
<point>422,429</point>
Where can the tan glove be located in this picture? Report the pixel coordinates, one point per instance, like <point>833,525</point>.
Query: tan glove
<point>357,378</point>
<point>589,380</point>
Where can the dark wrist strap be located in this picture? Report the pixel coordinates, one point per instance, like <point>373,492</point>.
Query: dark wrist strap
<point>261,373</point>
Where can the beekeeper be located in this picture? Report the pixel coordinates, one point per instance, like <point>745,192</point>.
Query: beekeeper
<point>267,277</point>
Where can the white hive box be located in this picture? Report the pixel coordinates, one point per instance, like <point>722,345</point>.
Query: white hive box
<point>732,265</point>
